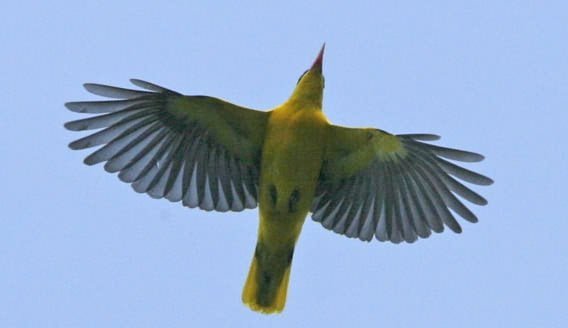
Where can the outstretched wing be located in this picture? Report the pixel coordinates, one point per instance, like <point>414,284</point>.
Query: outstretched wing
<point>393,187</point>
<point>200,150</point>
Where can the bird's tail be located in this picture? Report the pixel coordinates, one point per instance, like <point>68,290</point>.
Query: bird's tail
<point>267,282</point>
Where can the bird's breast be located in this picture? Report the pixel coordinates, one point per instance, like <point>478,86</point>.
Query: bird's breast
<point>291,162</point>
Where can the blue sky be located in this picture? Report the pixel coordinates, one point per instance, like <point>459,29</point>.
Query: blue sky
<point>78,248</point>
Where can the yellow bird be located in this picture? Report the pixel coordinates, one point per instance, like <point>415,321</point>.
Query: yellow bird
<point>208,153</point>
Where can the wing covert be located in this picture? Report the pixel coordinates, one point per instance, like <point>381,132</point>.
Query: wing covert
<point>202,151</point>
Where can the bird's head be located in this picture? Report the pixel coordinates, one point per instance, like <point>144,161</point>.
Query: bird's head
<point>309,90</point>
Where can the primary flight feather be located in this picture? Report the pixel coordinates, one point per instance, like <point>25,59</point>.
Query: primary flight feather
<point>205,152</point>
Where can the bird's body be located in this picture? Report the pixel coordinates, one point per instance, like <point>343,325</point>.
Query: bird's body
<point>286,191</point>
<point>295,133</point>
<point>290,161</point>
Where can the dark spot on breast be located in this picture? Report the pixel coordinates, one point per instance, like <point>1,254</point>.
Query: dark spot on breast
<point>293,201</point>
<point>273,194</point>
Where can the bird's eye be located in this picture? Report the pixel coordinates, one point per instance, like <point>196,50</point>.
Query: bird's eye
<point>301,76</point>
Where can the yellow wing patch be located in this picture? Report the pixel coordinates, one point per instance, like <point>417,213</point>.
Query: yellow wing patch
<point>238,129</point>
<point>351,150</point>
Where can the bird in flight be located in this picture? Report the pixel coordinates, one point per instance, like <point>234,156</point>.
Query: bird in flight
<point>290,161</point>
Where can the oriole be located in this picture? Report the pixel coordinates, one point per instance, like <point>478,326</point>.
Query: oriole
<point>208,153</point>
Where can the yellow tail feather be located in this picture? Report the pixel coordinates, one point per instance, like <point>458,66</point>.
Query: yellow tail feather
<point>267,285</point>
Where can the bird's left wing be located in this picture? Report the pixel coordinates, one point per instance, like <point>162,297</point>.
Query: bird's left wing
<point>200,150</point>
<point>393,187</point>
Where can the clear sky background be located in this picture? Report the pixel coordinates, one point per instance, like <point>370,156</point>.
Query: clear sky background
<point>78,248</point>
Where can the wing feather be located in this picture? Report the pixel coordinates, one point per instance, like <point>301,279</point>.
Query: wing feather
<point>393,188</point>
<point>114,92</point>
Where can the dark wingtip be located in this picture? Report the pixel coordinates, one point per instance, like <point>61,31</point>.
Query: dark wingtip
<point>70,106</point>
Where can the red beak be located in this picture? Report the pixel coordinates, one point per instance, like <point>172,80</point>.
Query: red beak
<point>317,65</point>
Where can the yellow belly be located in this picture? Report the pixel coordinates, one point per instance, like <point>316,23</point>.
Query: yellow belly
<point>290,168</point>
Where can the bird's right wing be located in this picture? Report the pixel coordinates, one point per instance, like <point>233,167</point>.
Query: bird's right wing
<point>200,150</point>
<point>392,187</point>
